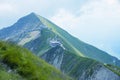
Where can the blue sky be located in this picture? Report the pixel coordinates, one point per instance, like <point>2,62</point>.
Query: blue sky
<point>93,21</point>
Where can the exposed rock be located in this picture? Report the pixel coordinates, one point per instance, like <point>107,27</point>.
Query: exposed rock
<point>78,70</point>
<point>56,58</point>
<point>100,73</point>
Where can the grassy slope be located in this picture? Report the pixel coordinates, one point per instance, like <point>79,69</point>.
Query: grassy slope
<point>64,37</point>
<point>78,65</point>
<point>25,65</point>
<point>72,64</point>
<point>41,44</point>
<point>4,75</point>
<point>113,68</point>
<point>78,47</point>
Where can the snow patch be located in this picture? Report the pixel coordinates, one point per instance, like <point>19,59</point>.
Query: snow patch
<point>54,43</point>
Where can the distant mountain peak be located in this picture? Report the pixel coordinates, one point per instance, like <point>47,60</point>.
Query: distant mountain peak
<point>32,13</point>
<point>29,21</point>
<point>31,16</point>
<point>25,29</point>
<point>56,46</point>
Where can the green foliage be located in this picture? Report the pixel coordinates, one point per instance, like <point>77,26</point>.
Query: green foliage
<point>76,65</point>
<point>72,64</point>
<point>67,39</point>
<point>41,45</point>
<point>25,64</point>
<point>78,47</point>
<point>113,68</point>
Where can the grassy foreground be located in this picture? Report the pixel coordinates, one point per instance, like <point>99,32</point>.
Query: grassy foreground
<point>17,63</point>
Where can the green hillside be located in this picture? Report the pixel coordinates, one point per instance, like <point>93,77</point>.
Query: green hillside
<point>77,66</point>
<point>113,68</point>
<point>35,33</point>
<point>17,63</point>
<point>78,47</point>
<point>48,41</point>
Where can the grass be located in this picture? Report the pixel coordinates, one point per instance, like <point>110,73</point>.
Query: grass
<point>72,64</point>
<point>26,65</point>
<point>78,47</point>
<point>113,68</point>
<point>62,34</point>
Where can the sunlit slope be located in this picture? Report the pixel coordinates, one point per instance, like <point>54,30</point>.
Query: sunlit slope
<point>36,33</point>
<point>78,47</point>
<point>80,68</point>
<point>17,63</point>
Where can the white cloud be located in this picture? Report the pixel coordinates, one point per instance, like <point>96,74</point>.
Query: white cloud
<point>11,11</point>
<point>6,8</point>
<point>64,19</point>
<point>97,22</point>
<point>102,8</point>
<point>96,17</point>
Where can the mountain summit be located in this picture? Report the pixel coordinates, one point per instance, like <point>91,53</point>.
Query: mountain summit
<point>34,29</point>
<point>56,46</point>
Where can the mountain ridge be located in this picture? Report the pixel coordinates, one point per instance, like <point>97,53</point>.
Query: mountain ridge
<point>34,22</point>
<point>78,67</point>
<point>59,48</point>
<point>76,40</point>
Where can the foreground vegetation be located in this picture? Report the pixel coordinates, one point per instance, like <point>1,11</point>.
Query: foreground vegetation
<point>113,68</point>
<point>17,63</point>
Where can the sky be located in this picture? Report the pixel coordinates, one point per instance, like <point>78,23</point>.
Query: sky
<point>93,21</point>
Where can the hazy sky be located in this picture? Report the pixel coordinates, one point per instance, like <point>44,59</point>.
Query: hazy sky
<point>92,21</point>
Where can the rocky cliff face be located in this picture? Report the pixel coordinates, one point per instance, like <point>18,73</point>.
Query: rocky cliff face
<point>54,56</point>
<point>104,74</point>
<point>78,68</point>
<point>23,31</point>
<point>100,73</point>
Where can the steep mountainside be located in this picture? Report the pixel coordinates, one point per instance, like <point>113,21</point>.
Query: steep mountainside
<point>80,48</point>
<point>34,29</point>
<point>17,63</point>
<point>78,67</point>
<point>73,57</point>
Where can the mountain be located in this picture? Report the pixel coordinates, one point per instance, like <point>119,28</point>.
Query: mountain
<point>80,68</point>
<point>39,35</point>
<point>73,57</point>
<point>17,63</point>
